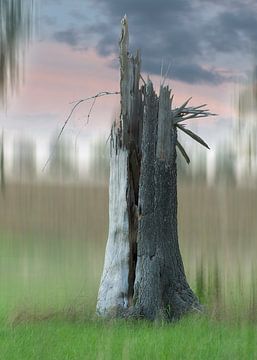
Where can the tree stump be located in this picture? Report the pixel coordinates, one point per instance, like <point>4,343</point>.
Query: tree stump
<point>143,273</point>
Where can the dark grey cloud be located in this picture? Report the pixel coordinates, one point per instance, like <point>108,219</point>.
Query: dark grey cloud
<point>194,73</point>
<point>190,34</point>
<point>77,15</point>
<point>70,37</point>
<point>146,9</point>
<point>233,30</point>
<point>230,4</point>
<point>185,71</point>
<point>49,20</point>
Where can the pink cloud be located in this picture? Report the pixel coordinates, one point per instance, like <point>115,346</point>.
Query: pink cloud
<point>57,75</point>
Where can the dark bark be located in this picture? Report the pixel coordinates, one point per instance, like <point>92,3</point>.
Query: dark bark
<point>146,285</point>
<point>161,286</point>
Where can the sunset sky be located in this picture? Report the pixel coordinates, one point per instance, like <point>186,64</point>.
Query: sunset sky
<point>209,45</point>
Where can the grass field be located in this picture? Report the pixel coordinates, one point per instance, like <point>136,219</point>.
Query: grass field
<point>51,254</point>
<point>189,339</point>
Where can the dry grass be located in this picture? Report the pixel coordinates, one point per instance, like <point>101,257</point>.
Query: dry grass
<point>57,210</point>
<point>213,223</point>
<point>64,230</point>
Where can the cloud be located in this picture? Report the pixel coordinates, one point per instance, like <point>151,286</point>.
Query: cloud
<point>70,36</point>
<point>233,30</point>
<point>187,72</point>
<point>49,20</point>
<point>188,33</point>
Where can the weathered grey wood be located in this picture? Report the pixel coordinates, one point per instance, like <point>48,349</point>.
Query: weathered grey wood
<point>124,80</point>
<point>129,88</point>
<point>117,282</point>
<point>113,291</point>
<point>131,120</point>
<point>164,150</point>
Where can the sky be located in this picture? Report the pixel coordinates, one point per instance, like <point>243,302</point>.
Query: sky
<point>209,47</point>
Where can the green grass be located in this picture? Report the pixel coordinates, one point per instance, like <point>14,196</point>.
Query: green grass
<point>48,290</point>
<point>191,338</point>
<point>42,273</point>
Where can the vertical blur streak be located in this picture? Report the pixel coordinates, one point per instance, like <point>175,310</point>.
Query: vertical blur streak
<point>246,132</point>
<point>15,33</point>
<point>2,174</point>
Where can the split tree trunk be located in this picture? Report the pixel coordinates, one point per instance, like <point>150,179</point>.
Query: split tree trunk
<point>117,282</point>
<point>161,288</point>
<point>143,271</point>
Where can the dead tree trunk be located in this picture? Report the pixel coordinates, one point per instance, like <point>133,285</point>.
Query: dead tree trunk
<point>117,282</point>
<point>161,288</point>
<point>143,270</point>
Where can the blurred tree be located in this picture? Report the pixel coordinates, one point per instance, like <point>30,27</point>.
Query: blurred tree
<point>2,168</point>
<point>62,166</point>
<point>225,165</point>
<point>246,133</point>
<point>199,168</point>
<point>99,165</point>
<point>24,160</point>
<point>15,32</point>
<point>197,172</point>
<point>185,174</point>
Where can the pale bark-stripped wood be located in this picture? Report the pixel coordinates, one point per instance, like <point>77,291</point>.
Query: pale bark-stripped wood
<point>124,80</point>
<point>113,291</point>
<point>117,282</point>
<point>129,88</point>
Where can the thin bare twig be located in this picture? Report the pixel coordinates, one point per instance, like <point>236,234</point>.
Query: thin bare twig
<point>90,110</point>
<point>161,72</point>
<point>50,156</point>
<point>166,74</point>
<point>100,94</point>
<point>76,104</point>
